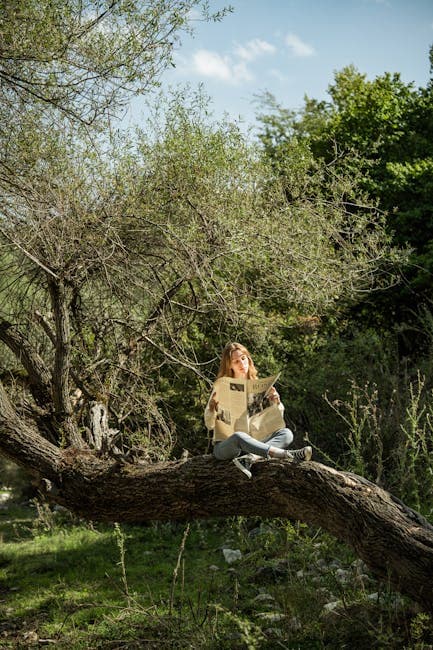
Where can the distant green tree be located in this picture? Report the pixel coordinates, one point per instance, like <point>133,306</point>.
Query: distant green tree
<point>383,130</point>
<point>379,132</point>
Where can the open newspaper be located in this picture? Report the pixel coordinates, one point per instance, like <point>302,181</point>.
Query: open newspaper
<point>244,405</point>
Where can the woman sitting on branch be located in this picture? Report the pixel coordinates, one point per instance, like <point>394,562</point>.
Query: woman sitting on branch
<point>240,446</point>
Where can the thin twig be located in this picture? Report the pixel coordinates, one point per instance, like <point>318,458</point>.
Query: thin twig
<point>176,569</point>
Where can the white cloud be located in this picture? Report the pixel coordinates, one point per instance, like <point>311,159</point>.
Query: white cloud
<point>253,49</point>
<point>231,68</point>
<point>278,75</point>
<point>298,47</point>
<point>212,64</point>
<point>241,73</point>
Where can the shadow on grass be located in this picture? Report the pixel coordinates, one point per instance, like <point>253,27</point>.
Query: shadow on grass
<point>71,581</point>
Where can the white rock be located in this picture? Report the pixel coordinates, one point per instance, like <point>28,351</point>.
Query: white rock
<point>359,565</point>
<point>373,597</point>
<point>264,596</point>
<point>231,555</point>
<point>330,607</point>
<point>342,575</point>
<point>272,617</point>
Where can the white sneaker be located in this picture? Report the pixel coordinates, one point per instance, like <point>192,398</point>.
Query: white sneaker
<point>300,454</point>
<point>244,463</point>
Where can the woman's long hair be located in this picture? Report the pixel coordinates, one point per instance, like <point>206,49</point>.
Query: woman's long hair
<point>226,360</point>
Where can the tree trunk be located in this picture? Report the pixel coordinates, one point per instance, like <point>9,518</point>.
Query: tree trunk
<point>60,377</point>
<point>393,540</point>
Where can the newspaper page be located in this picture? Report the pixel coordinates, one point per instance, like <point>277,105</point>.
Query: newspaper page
<point>244,405</point>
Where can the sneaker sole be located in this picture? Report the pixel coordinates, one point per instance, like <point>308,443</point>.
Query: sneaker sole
<point>243,469</point>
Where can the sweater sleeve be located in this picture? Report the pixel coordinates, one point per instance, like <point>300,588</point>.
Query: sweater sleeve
<point>209,415</point>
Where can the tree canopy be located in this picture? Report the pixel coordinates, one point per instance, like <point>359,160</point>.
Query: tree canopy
<point>84,59</point>
<point>381,129</point>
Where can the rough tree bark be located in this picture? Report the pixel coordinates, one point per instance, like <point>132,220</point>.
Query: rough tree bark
<point>61,368</point>
<point>393,540</point>
<point>39,377</point>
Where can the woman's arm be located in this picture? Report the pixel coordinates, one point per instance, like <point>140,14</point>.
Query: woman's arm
<point>274,398</point>
<point>211,411</point>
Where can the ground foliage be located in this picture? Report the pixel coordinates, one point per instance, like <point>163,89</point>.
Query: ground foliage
<point>78,585</point>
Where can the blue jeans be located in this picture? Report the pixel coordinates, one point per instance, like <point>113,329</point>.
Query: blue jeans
<point>242,442</point>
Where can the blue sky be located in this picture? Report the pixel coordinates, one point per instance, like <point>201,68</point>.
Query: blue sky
<point>292,48</point>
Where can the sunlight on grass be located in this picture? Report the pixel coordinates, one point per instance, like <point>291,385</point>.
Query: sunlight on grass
<point>76,585</point>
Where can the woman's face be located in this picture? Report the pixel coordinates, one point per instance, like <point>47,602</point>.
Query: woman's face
<point>239,364</point>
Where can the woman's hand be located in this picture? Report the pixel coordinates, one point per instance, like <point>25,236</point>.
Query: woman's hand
<point>273,395</point>
<point>213,404</point>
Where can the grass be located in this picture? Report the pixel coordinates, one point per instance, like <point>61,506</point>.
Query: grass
<point>69,584</point>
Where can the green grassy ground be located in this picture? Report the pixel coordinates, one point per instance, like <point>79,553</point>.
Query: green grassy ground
<point>70,584</point>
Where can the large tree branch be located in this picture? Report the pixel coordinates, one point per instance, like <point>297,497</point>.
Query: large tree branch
<point>38,374</point>
<point>42,320</point>
<point>23,444</point>
<point>394,541</point>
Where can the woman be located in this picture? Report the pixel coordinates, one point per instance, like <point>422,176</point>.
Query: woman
<point>236,362</point>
